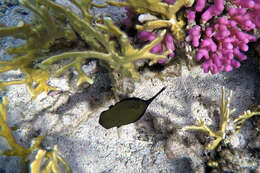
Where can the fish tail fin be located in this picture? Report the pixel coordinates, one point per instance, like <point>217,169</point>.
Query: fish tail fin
<point>151,99</point>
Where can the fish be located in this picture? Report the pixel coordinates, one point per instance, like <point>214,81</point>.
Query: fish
<point>125,111</point>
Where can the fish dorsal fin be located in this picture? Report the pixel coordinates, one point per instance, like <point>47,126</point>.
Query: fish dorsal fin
<point>151,99</point>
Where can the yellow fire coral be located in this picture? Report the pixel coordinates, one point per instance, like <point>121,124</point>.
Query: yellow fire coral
<point>40,35</point>
<point>239,121</point>
<point>53,22</point>
<point>165,12</point>
<point>224,116</point>
<point>6,132</point>
<point>51,164</point>
<point>23,153</point>
<point>119,53</point>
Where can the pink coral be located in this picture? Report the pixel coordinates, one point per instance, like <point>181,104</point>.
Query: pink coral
<point>223,43</point>
<point>194,35</point>
<point>214,10</point>
<point>200,5</point>
<point>169,1</point>
<point>166,44</point>
<point>228,42</point>
<point>249,13</point>
<point>190,14</point>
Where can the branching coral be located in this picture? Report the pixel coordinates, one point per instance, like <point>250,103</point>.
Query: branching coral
<point>221,37</point>
<point>166,44</point>
<point>221,40</point>
<point>248,15</point>
<point>166,12</point>
<point>40,35</point>
<point>23,153</point>
<point>153,16</point>
<point>53,21</point>
<point>6,132</point>
<point>239,121</point>
<point>51,164</point>
<point>224,117</point>
<point>119,53</point>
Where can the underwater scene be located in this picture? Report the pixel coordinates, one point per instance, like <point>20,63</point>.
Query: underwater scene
<point>129,86</point>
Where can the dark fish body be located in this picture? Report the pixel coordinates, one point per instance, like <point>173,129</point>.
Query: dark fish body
<point>125,112</point>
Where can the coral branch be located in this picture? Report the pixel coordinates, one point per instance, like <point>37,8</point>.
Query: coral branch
<point>53,21</point>
<point>6,132</point>
<point>118,61</point>
<point>240,121</point>
<point>165,11</point>
<point>40,165</point>
<point>20,151</point>
<point>222,41</point>
<point>40,35</point>
<point>224,116</point>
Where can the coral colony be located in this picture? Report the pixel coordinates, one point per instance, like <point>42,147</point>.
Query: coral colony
<point>222,42</point>
<point>51,159</point>
<point>225,113</point>
<point>166,43</point>
<point>151,23</point>
<point>52,23</point>
<point>219,32</point>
